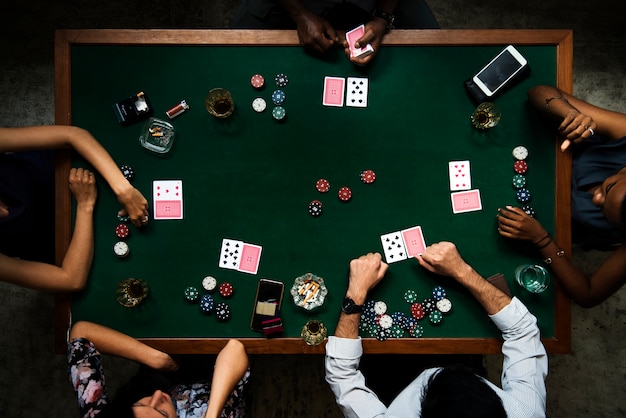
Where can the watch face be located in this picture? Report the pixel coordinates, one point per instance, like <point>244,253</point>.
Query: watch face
<point>347,305</point>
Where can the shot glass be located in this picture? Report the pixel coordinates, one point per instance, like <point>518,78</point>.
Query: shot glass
<point>532,277</point>
<point>219,103</point>
<point>314,332</point>
<point>486,115</point>
<point>131,292</point>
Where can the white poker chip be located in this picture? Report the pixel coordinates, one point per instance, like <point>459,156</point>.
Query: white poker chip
<point>259,104</point>
<point>121,249</point>
<point>209,283</point>
<point>385,321</point>
<point>380,307</point>
<point>444,305</point>
<point>520,152</point>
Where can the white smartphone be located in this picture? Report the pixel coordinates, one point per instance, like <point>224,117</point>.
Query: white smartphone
<point>500,70</point>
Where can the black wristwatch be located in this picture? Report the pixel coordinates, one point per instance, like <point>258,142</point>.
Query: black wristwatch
<point>390,18</point>
<point>349,307</point>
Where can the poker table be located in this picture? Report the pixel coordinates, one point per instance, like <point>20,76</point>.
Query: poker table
<point>250,177</point>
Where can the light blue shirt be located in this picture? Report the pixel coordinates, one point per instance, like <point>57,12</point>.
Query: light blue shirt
<point>524,370</point>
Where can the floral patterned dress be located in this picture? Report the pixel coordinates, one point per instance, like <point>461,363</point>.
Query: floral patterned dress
<point>87,378</point>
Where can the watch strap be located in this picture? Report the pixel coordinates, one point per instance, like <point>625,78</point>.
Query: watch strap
<point>389,17</point>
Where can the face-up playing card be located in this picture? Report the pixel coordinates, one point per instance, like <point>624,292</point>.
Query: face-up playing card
<point>460,178</point>
<point>352,37</point>
<point>467,201</point>
<point>414,241</point>
<point>393,246</point>
<point>250,257</point>
<point>168,199</point>
<point>333,91</point>
<point>230,254</point>
<point>356,92</point>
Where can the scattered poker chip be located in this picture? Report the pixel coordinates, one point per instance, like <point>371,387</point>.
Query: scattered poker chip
<point>520,166</point>
<point>124,218</point>
<point>207,304</point>
<point>315,208</point>
<point>444,305</point>
<point>380,307</point>
<point>439,293</point>
<point>428,305</point>
<point>520,152</point>
<point>279,113</point>
<point>278,97</point>
<point>409,322</point>
<point>416,331</point>
<point>128,172</point>
<point>191,294</point>
<point>322,185</point>
<point>259,105</point>
<point>410,296</point>
<point>519,181</point>
<point>121,249</point>
<point>257,81</point>
<point>122,231</point>
<point>417,310</point>
<point>381,334</point>
<point>396,331</point>
<point>398,318</point>
<point>226,290</point>
<point>281,80</point>
<point>435,317</point>
<point>522,195</point>
<point>529,210</point>
<point>368,176</point>
<point>385,321</point>
<point>209,283</point>
<point>222,311</point>
<point>344,194</point>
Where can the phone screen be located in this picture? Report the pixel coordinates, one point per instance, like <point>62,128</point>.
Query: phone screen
<point>269,297</point>
<point>499,70</point>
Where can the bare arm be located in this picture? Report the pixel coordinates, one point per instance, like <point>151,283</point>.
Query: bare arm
<point>315,33</point>
<point>230,366</point>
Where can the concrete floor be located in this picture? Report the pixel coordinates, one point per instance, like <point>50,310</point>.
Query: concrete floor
<point>590,382</point>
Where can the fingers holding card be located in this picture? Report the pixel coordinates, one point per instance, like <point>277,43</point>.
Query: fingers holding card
<point>404,244</point>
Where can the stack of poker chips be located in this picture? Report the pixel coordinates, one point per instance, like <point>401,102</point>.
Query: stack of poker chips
<point>207,303</point>
<point>122,231</point>
<point>520,167</point>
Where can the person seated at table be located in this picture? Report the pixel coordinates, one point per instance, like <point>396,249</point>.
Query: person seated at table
<point>449,391</point>
<point>153,394</point>
<point>27,214</point>
<point>321,24</point>
<point>597,138</point>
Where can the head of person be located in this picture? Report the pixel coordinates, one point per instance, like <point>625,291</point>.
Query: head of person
<point>457,392</point>
<point>610,196</point>
<point>157,405</point>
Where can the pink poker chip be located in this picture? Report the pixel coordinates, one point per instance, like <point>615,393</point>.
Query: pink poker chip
<point>257,81</point>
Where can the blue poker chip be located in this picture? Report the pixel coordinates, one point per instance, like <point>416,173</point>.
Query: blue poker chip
<point>398,318</point>
<point>409,322</point>
<point>439,293</point>
<point>207,304</point>
<point>278,97</point>
<point>522,195</point>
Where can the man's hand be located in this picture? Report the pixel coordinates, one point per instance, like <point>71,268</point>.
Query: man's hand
<point>365,273</point>
<point>374,32</point>
<point>315,33</point>
<point>443,258</point>
<point>515,223</point>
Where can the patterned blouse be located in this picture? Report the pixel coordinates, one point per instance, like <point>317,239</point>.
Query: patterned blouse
<point>87,378</point>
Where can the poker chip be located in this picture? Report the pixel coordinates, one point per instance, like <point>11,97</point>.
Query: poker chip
<point>124,218</point>
<point>281,80</point>
<point>520,152</point>
<point>257,81</point>
<point>344,194</point>
<point>428,305</point>
<point>385,321</point>
<point>322,185</point>
<point>416,331</point>
<point>381,334</point>
<point>207,304</point>
<point>278,97</point>
<point>439,293</point>
<point>522,195</point>
<point>191,294</point>
<point>519,181</point>
<point>398,318</point>
<point>368,176</point>
<point>529,210</point>
<point>444,305</point>
<point>122,231</point>
<point>121,249</point>
<point>435,317</point>
<point>259,104</point>
<point>209,283</point>
<point>315,208</point>
<point>396,332</point>
<point>520,166</point>
<point>409,322</point>
<point>128,172</point>
<point>380,307</point>
<point>410,296</point>
<point>279,113</point>
<point>417,310</point>
<point>222,311</point>
<point>226,290</point>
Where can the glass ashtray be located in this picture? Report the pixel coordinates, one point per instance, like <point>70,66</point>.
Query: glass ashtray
<point>309,291</point>
<point>157,136</point>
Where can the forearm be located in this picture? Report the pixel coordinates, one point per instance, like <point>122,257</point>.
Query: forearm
<point>230,366</point>
<point>492,299</point>
<point>79,256</point>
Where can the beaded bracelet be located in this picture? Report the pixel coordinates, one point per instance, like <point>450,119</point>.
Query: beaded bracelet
<point>560,253</point>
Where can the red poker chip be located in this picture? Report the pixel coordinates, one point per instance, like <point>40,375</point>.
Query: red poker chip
<point>257,81</point>
<point>322,185</point>
<point>122,231</point>
<point>417,310</point>
<point>344,194</point>
<point>368,176</point>
<point>226,289</point>
<point>520,166</point>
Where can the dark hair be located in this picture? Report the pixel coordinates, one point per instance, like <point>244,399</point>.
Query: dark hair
<point>456,392</point>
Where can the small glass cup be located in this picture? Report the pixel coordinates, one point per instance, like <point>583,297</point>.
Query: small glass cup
<point>486,115</point>
<point>219,103</point>
<point>532,277</point>
<point>130,292</point>
<point>314,332</point>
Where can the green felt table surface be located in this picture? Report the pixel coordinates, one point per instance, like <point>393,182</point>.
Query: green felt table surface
<point>251,178</point>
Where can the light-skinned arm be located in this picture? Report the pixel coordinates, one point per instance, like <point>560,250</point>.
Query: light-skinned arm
<point>230,366</point>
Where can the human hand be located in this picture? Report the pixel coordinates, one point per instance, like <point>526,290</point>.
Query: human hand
<point>515,223</point>
<point>316,33</point>
<point>374,32</point>
<point>575,127</point>
<point>135,205</point>
<point>83,187</point>
<point>443,258</point>
<point>365,273</point>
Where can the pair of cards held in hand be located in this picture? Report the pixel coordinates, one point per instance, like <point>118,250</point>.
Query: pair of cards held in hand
<point>461,179</point>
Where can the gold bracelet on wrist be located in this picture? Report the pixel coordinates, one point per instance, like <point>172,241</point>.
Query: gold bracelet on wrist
<point>560,253</point>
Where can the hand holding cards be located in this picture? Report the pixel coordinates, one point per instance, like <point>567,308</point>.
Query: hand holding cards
<point>352,37</point>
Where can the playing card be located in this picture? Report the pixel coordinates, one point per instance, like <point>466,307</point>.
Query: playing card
<point>466,201</point>
<point>168,199</point>
<point>333,91</point>
<point>230,254</point>
<point>353,36</point>
<point>460,178</point>
<point>393,246</point>
<point>250,257</point>
<point>414,241</point>
<point>356,92</point>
